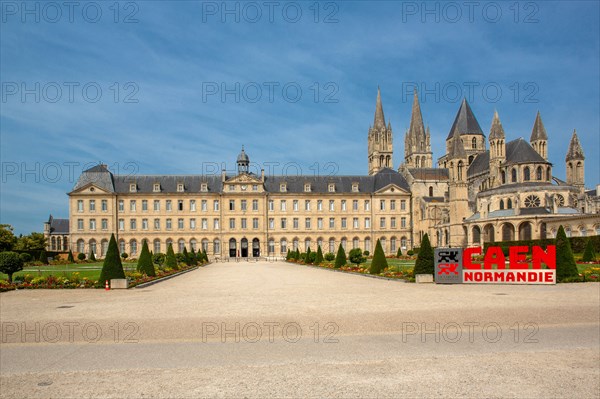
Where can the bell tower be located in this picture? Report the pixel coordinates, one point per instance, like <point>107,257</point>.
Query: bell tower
<point>380,141</point>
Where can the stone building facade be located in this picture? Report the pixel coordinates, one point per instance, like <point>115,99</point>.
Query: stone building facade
<point>483,189</point>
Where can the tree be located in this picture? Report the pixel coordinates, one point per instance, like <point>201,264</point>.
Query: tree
<point>159,259</point>
<point>186,257</point>
<point>424,263</point>
<point>193,257</point>
<point>319,258</point>
<point>92,256</point>
<point>112,266</point>
<point>379,262</point>
<point>340,258</point>
<point>144,264</point>
<point>204,255</point>
<point>399,253</point>
<point>288,255</point>
<point>10,263</point>
<point>355,256</point>
<point>31,242</point>
<point>588,253</point>
<point>81,256</point>
<point>171,260</point>
<point>7,238</point>
<point>307,256</point>
<point>70,257</point>
<point>565,262</point>
<point>43,257</point>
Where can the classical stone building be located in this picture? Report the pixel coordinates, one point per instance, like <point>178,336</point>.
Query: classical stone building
<point>475,194</point>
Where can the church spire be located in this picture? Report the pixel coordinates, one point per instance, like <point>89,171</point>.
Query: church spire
<point>496,131</point>
<point>417,143</point>
<point>416,129</point>
<point>539,131</point>
<point>379,121</point>
<point>575,152</point>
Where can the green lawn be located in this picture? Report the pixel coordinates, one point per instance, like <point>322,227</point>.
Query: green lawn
<point>397,265</point>
<point>89,270</point>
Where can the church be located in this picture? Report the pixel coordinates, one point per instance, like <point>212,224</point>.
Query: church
<point>483,189</point>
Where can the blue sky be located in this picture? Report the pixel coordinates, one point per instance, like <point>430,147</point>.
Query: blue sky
<point>185,84</point>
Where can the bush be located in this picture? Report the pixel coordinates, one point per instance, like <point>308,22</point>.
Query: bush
<point>180,257</point>
<point>25,257</point>
<point>410,252</point>
<point>10,263</point>
<point>311,257</point>
<point>424,263</point>
<point>144,264</point>
<point>565,262</point>
<point>340,258</point>
<point>81,256</point>
<point>319,256</point>
<point>171,260</point>
<point>43,257</point>
<point>379,262</point>
<point>70,257</point>
<point>355,256</point>
<point>124,255</point>
<point>366,253</point>
<point>329,256</point>
<point>112,266</point>
<point>588,253</point>
<point>159,259</point>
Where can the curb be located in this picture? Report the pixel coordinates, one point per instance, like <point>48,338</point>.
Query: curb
<point>353,273</point>
<point>158,280</point>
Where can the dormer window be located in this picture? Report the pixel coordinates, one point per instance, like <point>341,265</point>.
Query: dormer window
<point>132,188</point>
<point>231,187</point>
<point>204,187</point>
<point>307,187</point>
<point>283,187</point>
<point>331,187</point>
<point>354,187</point>
<point>179,187</point>
<point>156,188</point>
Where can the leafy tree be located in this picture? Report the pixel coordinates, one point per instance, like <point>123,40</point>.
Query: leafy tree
<point>43,257</point>
<point>355,256</point>
<point>92,256</point>
<point>424,263</point>
<point>81,256</point>
<point>171,260</point>
<point>340,258</point>
<point>144,264</point>
<point>589,254</point>
<point>319,257</point>
<point>10,263</point>
<point>25,257</point>
<point>70,258</point>
<point>7,238</point>
<point>186,257</point>
<point>565,262</point>
<point>307,256</point>
<point>112,266</point>
<point>31,242</point>
<point>379,262</point>
<point>399,253</point>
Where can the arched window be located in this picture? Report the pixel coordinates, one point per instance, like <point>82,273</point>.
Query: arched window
<point>474,143</point>
<point>509,204</point>
<point>368,244</point>
<point>53,245</point>
<point>383,244</point>
<point>355,243</point>
<point>393,248</point>
<point>460,170</point>
<point>503,177</point>
<point>471,159</point>
<point>283,246</point>
<point>180,245</point>
<point>306,244</point>
<point>539,173</point>
<point>501,204</point>
<point>514,175</point>
<point>525,231</point>
<point>156,246</point>
<point>332,245</point>
<point>508,232</point>
<point>526,174</point>
<point>295,244</point>
<point>93,246</point>
<point>344,243</point>
<point>548,173</point>
<point>121,246</point>
<point>271,246</point>
<point>476,235</point>
<point>403,243</point>
<point>80,246</point>
<point>133,247</point>
<point>194,244</point>
<point>205,244</point>
<point>216,246</point>
<point>103,247</point>
<point>431,191</point>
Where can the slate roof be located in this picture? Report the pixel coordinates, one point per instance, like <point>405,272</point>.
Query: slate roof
<point>101,176</point>
<point>429,173</point>
<point>517,151</point>
<point>58,226</point>
<point>465,122</point>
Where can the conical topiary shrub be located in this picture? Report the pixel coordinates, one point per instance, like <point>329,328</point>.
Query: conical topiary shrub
<point>319,258</point>
<point>379,262</point>
<point>43,257</point>
<point>399,253</point>
<point>307,256</point>
<point>589,254</point>
<point>565,262</point>
<point>70,257</point>
<point>186,257</point>
<point>340,258</point>
<point>424,264</point>
<point>112,266</point>
<point>171,260</point>
<point>92,256</point>
<point>145,264</point>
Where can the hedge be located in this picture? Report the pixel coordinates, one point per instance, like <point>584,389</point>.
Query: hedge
<point>577,244</point>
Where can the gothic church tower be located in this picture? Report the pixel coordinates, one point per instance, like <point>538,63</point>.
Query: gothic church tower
<point>417,142</point>
<point>380,141</point>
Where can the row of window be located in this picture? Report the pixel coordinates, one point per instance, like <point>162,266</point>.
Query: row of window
<point>215,248</point>
<point>243,223</point>
<point>243,205</point>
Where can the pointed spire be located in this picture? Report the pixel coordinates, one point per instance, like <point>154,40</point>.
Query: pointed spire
<point>575,151</point>
<point>416,129</point>
<point>465,122</point>
<point>496,131</point>
<point>379,118</point>
<point>458,149</point>
<point>539,131</point>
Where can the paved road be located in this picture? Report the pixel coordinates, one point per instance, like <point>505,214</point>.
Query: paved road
<point>274,329</point>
